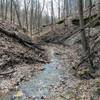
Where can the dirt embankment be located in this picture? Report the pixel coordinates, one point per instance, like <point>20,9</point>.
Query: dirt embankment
<point>19,57</point>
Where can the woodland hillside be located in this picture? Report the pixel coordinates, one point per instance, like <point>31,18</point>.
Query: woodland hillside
<point>49,50</point>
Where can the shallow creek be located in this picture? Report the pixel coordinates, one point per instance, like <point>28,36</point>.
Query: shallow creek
<point>48,82</point>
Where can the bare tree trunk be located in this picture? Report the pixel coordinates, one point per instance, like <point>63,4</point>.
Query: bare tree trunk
<point>90,8</point>
<point>2,9</point>
<point>13,19</point>
<point>31,18</point>
<point>38,17</point>
<point>26,13</point>
<point>47,15</point>
<point>6,9</point>
<point>17,13</point>
<point>65,11</point>
<point>59,10</point>
<point>83,36</point>
<point>52,15</point>
<point>40,11</point>
<point>90,11</point>
<point>99,7</point>
<point>11,11</point>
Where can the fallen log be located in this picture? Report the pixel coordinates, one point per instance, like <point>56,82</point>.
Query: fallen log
<point>7,73</point>
<point>65,37</point>
<point>86,20</point>
<point>27,42</point>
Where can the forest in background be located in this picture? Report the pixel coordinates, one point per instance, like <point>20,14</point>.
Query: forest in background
<point>34,15</point>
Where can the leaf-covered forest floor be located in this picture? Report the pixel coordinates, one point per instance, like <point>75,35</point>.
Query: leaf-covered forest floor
<point>17,61</point>
<point>20,64</point>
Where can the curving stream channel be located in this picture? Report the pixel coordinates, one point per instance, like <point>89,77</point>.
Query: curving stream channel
<point>45,83</point>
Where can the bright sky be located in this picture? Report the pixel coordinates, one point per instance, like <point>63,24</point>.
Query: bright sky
<point>47,6</point>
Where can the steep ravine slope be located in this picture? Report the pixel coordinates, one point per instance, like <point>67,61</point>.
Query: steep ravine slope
<point>17,58</point>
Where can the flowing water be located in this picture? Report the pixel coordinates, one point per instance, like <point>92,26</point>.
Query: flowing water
<point>42,83</point>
